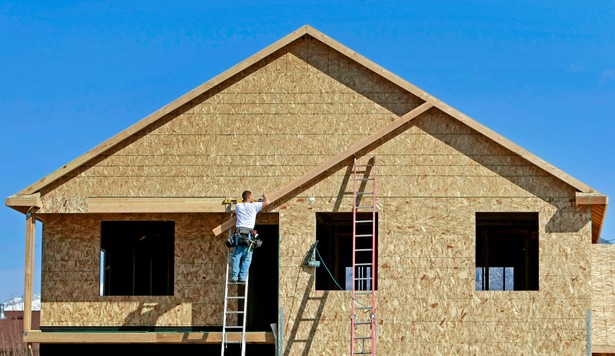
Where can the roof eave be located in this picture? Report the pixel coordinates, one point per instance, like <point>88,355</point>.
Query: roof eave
<point>250,61</point>
<point>23,203</point>
<point>599,204</point>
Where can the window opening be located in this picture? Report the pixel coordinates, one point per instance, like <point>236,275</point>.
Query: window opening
<point>507,251</point>
<point>138,257</point>
<point>334,235</point>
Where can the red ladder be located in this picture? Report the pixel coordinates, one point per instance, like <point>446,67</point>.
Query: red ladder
<point>363,317</point>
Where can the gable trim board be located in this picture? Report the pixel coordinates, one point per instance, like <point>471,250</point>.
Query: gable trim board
<point>259,56</point>
<point>156,205</point>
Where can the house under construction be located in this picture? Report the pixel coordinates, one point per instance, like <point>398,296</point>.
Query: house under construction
<point>475,245</point>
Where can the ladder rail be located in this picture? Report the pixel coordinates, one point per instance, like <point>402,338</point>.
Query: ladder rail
<point>245,316</point>
<point>224,314</point>
<point>354,246</point>
<point>373,268</point>
<point>363,273</point>
<point>236,297</point>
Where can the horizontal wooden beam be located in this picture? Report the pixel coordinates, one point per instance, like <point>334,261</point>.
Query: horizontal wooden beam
<point>33,200</point>
<point>591,199</point>
<point>156,205</point>
<point>59,337</point>
<point>329,167</point>
<point>603,349</point>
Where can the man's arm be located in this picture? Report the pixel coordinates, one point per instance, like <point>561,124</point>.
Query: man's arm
<point>265,200</point>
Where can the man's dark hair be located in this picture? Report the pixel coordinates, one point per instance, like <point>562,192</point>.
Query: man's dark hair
<point>245,195</point>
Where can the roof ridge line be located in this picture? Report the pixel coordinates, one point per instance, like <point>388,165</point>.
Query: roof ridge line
<point>279,44</point>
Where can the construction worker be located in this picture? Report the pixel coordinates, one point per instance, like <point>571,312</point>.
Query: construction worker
<point>244,236</point>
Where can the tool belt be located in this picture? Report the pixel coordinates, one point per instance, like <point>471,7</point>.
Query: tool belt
<point>244,237</point>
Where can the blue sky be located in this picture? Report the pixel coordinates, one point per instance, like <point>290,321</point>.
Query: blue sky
<point>73,74</point>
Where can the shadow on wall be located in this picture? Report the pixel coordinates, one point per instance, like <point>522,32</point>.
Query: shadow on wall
<point>510,166</point>
<point>305,323</point>
<point>354,76</point>
<point>147,313</point>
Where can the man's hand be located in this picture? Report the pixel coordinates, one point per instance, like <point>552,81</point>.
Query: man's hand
<point>265,200</point>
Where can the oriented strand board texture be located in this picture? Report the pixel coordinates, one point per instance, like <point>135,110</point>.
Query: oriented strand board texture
<point>426,298</point>
<point>273,124</point>
<point>264,129</point>
<point>603,295</point>
<point>71,274</point>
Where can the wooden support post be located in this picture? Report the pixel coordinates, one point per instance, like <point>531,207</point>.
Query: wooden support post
<point>29,275</point>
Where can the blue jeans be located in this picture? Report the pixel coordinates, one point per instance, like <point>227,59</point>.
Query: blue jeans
<point>242,257</point>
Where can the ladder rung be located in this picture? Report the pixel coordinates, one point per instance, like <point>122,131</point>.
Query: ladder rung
<point>363,221</point>
<point>235,312</point>
<point>362,353</point>
<point>362,322</point>
<point>363,165</point>
<point>236,297</point>
<point>363,308</point>
<point>362,292</point>
<point>363,250</point>
<point>365,178</point>
<point>364,235</point>
<point>363,264</point>
<point>234,327</point>
<point>364,193</point>
<point>362,337</point>
<point>364,207</point>
<point>363,279</point>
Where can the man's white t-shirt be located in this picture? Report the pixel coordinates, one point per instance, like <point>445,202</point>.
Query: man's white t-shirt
<point>246,214</point>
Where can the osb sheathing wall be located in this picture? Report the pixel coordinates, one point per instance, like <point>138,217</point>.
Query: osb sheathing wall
<point>71,274</point>
<point>301,106</point>
<point>603,295</point>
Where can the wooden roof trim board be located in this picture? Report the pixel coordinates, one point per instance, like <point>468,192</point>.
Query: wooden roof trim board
<point>599,203</point>
<point>270,50</point>
<point>167,109</point>
<point>603,349</point>
<point>591,198</point>
<point>155,205</point>
<point>598,215</point>
<point>357,149</point>
<point>26,201</point>
<point>449,110</point>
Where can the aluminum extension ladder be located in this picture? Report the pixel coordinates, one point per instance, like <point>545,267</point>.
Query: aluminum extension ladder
<point>363,317</point>
<point>240,314</point>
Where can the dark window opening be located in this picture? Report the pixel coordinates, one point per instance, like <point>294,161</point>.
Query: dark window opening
<point>334,235</point>
<point>507,251</point>
<point>137,257</point>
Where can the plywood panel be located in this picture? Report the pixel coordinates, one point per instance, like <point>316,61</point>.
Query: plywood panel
<point>71,274</point>
<point>426,277</point>
<point>603,295</point>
